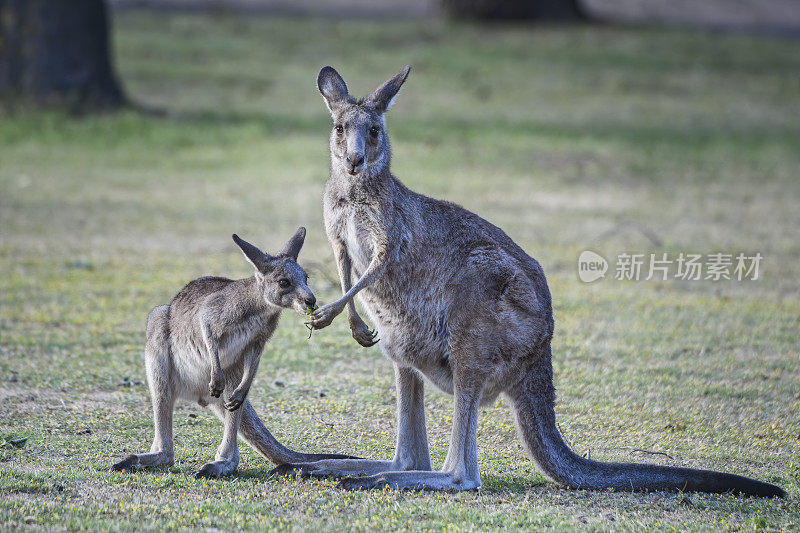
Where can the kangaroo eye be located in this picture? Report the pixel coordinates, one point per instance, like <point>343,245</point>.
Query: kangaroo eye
<point>339,130</point>
<point>374,131</point>
<point>284,283</point>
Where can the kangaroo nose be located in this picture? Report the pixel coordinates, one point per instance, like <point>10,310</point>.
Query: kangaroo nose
<point>355,160</point>
<point>310,301</point>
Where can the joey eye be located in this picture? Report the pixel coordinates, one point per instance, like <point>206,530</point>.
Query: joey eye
<point>339,130</point>
<point>374,131</point>
<point>284,283</point>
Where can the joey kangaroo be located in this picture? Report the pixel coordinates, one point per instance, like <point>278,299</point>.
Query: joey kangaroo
<point>208,341</point>
<point>456,301</point>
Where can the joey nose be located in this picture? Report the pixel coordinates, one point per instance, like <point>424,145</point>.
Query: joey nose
<point>310,301</point>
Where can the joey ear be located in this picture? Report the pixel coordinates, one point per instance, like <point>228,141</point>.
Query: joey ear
<point>383,97</point>
<point>292,248</point>
<point>256,257</point>
<point>333,88</point>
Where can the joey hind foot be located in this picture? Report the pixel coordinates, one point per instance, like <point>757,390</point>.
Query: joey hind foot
<point>129,464</point>
<point>362,334</point>
<point>323,316</point>
<point>215,470</point>
<point>217,383</point>
<point>135,463</point>
<point>236,400</point>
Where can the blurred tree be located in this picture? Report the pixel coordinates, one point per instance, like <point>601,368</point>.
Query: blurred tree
<point>57,51</point>
<point>515,9</point>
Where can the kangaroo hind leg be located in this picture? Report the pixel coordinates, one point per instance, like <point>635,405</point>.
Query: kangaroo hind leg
<point>460,470</point>
<point>158,365</point>
<point>226,461</point>
<point>258,437</point>
<point>412,439</point>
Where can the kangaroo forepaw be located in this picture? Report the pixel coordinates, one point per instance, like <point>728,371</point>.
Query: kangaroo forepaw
<point>363,335</point>
<point>217,384</point>
<point>323,316</point>
<point>129,464</point>
<point>235,401</point>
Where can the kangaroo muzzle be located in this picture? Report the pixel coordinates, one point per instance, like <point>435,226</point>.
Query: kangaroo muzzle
<point>354,163</point>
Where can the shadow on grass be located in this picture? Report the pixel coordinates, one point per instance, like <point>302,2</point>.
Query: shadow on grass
<point>491,484</point>
<point>497,484</point>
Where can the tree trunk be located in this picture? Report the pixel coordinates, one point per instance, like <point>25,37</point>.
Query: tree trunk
<point>565,10</point>
<point>57,51</point>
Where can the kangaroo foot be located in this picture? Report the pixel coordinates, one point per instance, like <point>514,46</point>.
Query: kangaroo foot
<point>216,470</point>
<point>129,464</point>
<point>413,480</point>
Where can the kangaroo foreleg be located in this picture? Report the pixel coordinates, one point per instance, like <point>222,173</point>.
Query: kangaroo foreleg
<point>237,397</point>
<point>217,382</point>
<point>380,260</point>
<point>361,332</point>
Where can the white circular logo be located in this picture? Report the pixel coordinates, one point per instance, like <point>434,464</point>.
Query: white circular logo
<point>591,266</point>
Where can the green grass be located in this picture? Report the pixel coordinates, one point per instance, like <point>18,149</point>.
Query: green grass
<point>568,138</point>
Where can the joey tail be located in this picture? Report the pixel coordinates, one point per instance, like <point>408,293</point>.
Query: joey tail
<point>533,401</point>
<point>253,432</point>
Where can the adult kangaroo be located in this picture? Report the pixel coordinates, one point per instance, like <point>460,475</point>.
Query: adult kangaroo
<point>457,301</point>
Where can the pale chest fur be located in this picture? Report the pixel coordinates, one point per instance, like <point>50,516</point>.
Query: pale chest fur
<point>412,320</point>
<point>191,353</point>
<point>356,237</point>
<point>251,333</point>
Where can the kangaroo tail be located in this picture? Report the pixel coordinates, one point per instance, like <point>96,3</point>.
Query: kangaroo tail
<point>253,432</point>
<point>533,402</point>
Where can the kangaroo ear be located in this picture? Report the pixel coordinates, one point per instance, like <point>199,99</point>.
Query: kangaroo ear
<point>333,88</point>
<point>292,248</point>
<point>256,257</point>
<point>383,97</point>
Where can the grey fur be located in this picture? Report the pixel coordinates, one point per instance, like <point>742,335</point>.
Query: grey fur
<point>205,347</point>
<point>456,301</point>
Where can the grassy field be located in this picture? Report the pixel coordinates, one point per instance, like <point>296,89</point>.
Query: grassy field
<point>634,140</point>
